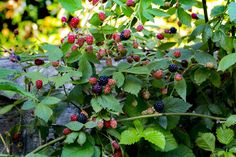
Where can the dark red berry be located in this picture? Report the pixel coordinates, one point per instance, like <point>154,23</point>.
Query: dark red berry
<point>117,153</point>
<point>74,48</point>
<point>80,42</point>
<point>177,54</point>
<point>63,19</point>
<point>116,37</point>
<point>38,62</point>
<point>107,89</point>
<point>115,145</point>
<point>184,63</point>
<point>173,67</point>
<point>97,89</point>
<point>94,2</point>
<point>129,59</point>
<point>16,32</point>
<point>179,24</point>
<point>89,49</point>
<point>159,106</point>
<point>139,28</point>
<point>74,22</point>
<point>194,16</point>
<point>130,3</point>
<point>66,131</point>
<point>55,63</point>
<point>74,117</point>
<point>125,34</point>
<point>136,58</point>
<point>107,124</point>
<point>167,31</point>
<point>39,84</point>
<point>160,36</point>
<point>16,136</point>
<point>135,44</point>
<point>102,16</point>
<point>71,38</point>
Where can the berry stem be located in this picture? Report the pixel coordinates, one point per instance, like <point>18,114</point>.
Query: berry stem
<point>47,144</point>
<point>171,114</point>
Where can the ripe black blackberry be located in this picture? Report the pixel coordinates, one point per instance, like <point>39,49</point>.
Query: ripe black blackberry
<point>122,35</point>
<point>97,89</point>
<point>82,118</point>
<point>159,106</point>
<point>103,80</point>
<point>173,30</point>
<point>184,63</point>
<point>173,68</point>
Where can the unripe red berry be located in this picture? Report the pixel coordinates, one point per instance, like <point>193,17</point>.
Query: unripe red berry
<point>146,94</point>
<point>127,33</point>
<point>16,136</point>
<point>109,61</point>
<point>102,16</point>
<point>113,123</point>
<point>111,82</point>
<point>66,131</point>
<point>38,62</point>
<point>167,31</point>
<point>100,124</point>
<point>80,42</point>
<point>71,38</point>
<point>164,91</point>
<point>116,37</point>
<point>63,19</point>
<point>74,117</point>
<point>74,48</point>
<point>74,22</point>
<point>102,52</point>
<point>107,89</point>
<point>115,145</point>
<point>92,80</point>
<point>121,48</point>
<point>39,84</point>
<point>89,49</point>
<point>135,44</point>
<point>158,74</point>
<point>94,2</point>
<point>136,58</point>
<point>107,124</point>
<point>89,39</point>
<point>130,3</point>
<point>178,77</point>
<point>139,28</point>
<point>160,36</point>
<point>194,16</point>
<point>117,153</point>
<point>177,54</point>
<point>129,59</point>
<point>55,63</point>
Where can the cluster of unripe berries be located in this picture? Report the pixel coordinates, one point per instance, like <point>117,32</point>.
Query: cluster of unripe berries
<point>102,84</point>
<point>82,117</point>
<point>112,123</point>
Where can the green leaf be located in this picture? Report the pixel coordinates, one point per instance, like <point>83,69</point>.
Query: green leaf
<point>71,5</point>
<point>107,102</point>
<point>167,45</point>
<point>183,16</point>
<point>6,72</point>
<point>85,68</point>
<point>155,137</point>
<point>201,75</point>
<point>159,64</point>
<point>6,109</point>
<point>158,12</point>
<point>43,112</point>
<point>203,58</point>
<point>217,10</point>
<point>176,105</point>
<point>226,62</point>
<point>119,77</point>
<point>61,80</point>
<point>197,31</point>
<point>95,20</point>
<point>54,52</point>
<point>206,141</point>
<point>232,11</point>
<point>97,152</point>
<point>10,86</point>
<point>181,88</point>
<point>119,3</point>
<point>90,124</point>
<point>226,43</point>
<point>81,138</point>
<point>29,104</point>
<point>231,120</point>
<point>49,100</point>
<point>170,142</point>
<point>74,125</point>
<point>36,76</point>
<point>129,136</point>
<point>224,135</point>
<point>96,105</point>
<point>207,33</point>
<point>107,29</point>
<point>87,150</point>
<point>148,15</point>
<point>30,155</point>
<point>132,85</point>
<point>215,79</point>
<point>137,70</point>
<point>97,34</point>
<point>71,137</point>
<point>138,125</point>
<point>181,151</point>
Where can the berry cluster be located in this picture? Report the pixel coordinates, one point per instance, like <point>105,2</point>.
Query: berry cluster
<point>132,58</point>
<point>112,123</point>
<point>103,83</point>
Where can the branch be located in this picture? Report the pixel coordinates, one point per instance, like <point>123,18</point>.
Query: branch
<point>171,114</point>
<point>47,144</point>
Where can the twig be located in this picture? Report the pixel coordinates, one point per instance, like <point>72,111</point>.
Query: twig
<point>48,144</point>
<point>171,114</point>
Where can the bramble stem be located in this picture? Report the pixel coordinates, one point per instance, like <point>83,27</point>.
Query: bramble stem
<point>47,144</point>
<point>171,114</point>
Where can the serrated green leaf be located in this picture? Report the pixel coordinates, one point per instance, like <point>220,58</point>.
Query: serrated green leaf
<point>181,151</point>
<point>49,100</point>
<point>181,88</point>
<point>203,58</point>
<point>119,77</point>
<point>29,155</point>
<point>215,79</point>
<point>132,85</point>
<point>71,137</point>
<point>183,16</point>
<point>71,5</point>
<point>226,62</point>
<point>81,138</point>
<point>232,11</point>
<point>217,10</point>
<point>29,104</point>
<point>197,31</point>
<point>206,141</point>
<point>158,12</point>
<point>90,124</point>
<point>138,125</point>
<point>226,43</point>
<point>36,76</point>
<point>176,105</point>
<point>6,109</point>
<point>155,137</point>
<point>224,135</point>
<point>231,120</point>
<point>96,105</point>
<point>159,64</point>
<point>201,75</point>
<point>61,80</point>
<point>95,20</point>
<point>86,150</point>
<point>129,136</point>
<point>6,72</point>
<point>166,46</point>
<point>137,70</point>
<point>107,29</point>
<point>43,112</point>
<point>85,68</point>
<point>54,52</point>
<point>74,125</point>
